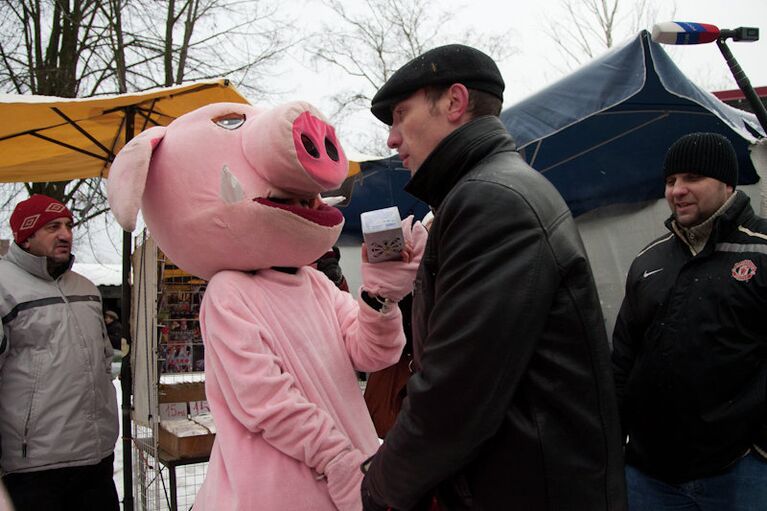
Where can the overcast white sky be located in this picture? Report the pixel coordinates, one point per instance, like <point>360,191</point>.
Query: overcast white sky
<point>537,63</point>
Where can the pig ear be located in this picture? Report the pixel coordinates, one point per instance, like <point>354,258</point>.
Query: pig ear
<point>128,175</point>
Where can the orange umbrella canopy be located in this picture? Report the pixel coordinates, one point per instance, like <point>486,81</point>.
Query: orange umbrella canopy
<point>44,138</point>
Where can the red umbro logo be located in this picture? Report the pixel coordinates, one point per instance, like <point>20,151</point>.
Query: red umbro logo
<point>743,270</point>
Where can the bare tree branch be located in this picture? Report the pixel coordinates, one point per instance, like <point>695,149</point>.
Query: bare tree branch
<point>369,40</point>
<point>593,26</point>
<point>65,48</point>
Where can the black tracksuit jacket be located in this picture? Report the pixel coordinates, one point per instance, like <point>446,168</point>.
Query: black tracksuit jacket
<point>690,350</point>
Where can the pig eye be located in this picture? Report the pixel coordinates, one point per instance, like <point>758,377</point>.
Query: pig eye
<point>309,146</point>
<point>331,149</point>
<point>230,121</point>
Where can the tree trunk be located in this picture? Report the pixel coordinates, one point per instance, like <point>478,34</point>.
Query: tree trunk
<point>52,189</point>
<point>170,21</point>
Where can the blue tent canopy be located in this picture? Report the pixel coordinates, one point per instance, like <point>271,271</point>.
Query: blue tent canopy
<point>379,184</point>
<point>601,133</point>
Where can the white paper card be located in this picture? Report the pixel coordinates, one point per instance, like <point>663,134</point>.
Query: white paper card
<point>172,411</point>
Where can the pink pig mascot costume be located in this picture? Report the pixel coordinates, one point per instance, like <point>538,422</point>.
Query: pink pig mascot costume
<point>230,192</point>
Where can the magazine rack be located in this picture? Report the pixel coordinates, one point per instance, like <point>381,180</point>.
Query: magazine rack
<point>171,424</point>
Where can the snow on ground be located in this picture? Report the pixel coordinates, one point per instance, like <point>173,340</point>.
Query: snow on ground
<point>118,466</point>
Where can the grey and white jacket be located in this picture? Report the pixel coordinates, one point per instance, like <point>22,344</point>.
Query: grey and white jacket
<point>58,407</point>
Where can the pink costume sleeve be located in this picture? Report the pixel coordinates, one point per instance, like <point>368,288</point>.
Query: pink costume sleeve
<point>374,340</point>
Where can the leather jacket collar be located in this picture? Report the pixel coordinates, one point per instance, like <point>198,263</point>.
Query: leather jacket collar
<point>455,155</point>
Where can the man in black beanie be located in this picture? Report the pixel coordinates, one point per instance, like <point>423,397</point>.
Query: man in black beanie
<point>690,343</point>
<point>511,403</point>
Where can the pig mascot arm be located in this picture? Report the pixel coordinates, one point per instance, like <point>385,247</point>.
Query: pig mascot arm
<point>389,282</point>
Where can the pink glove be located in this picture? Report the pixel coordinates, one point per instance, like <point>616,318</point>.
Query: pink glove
<point>344,475</point>
<point>394,280</point>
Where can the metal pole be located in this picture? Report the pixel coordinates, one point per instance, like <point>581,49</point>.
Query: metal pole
<point>125,371</point>
<point>745,85</point>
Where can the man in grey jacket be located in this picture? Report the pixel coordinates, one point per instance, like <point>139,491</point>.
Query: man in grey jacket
<point>58,409</point>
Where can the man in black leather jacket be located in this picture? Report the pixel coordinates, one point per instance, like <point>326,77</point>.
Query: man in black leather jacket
<point>511,404</point>
<point>690,343</point>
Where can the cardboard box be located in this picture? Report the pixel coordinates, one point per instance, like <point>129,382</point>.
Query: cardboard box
<point>179,392</point>
<point>183,438</point>
<point>193,446</point>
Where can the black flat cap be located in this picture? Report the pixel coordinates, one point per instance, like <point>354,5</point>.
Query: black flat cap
<point>444,65</point>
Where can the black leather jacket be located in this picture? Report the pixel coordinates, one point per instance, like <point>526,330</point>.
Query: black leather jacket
<point>690,349</point>
<point>512,404</point>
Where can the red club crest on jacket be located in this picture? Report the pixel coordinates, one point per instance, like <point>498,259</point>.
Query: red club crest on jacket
<point>743,270</point>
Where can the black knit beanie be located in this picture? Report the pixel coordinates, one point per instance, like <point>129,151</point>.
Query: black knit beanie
<point>705,154</point>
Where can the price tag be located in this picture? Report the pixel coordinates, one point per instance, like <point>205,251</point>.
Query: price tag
<point>170,411</point>
<point>198,407</point>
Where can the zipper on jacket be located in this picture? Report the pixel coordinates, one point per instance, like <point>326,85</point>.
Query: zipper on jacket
<point>90,363</point>
<point>31,407</point>
<point>26,428</point>
<point>26,423</point>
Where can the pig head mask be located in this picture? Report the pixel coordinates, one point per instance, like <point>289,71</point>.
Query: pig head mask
<point>231,186</point>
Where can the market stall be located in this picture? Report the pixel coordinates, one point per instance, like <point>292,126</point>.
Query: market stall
<point>58,139</point>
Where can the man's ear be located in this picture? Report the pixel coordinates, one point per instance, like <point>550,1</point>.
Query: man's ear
<point>458,95</point>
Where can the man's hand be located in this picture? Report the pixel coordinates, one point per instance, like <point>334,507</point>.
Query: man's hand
<point>369,503</point>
